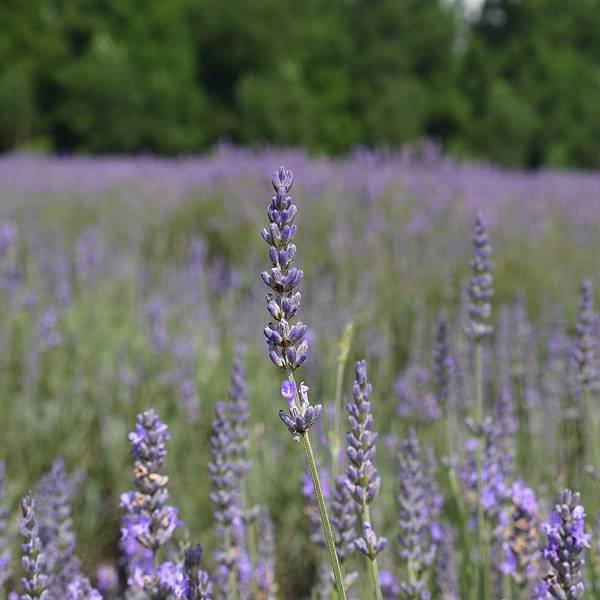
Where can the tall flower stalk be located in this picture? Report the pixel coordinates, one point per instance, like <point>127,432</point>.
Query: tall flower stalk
<point>481,291</point>
<point>362,477</point>
<point>287,349</point>
<point>35,582</point>
<point>584,355</point>
<point>150,521</point>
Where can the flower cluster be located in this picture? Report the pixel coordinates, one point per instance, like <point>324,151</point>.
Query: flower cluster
<point>302,414</point>
<point>196,582</point>
<point>150,521</point>
<point>286,348</point>
<point>481,288</point>
<point>362,478</point>
<point>584,347</point>
<point>442,363</point>
<point>224,494</point>
<point>565,550</point>
<point>521,536</point>
<point>419,506</point>
<point>35,581</point>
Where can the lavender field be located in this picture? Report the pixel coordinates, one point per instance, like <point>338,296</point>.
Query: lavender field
<point>449,348</point>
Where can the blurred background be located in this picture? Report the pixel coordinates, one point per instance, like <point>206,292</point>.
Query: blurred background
<point>514,81</point>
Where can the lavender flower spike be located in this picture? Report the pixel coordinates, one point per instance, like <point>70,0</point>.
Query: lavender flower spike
<point>265,569</point>
<point>362,478</point>
<point>442,364</point>
<point>419,505</point>
<point>35,580</point>
<point>584,340</point>
<point>566,546</point>
<point>481,288</point>
<point>196,583</point>
<point>284,341</point>
<point>225,497</point>
<point>287,349</point>
<point>150,521</point>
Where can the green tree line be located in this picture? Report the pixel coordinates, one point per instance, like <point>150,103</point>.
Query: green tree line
<point>518,82</point>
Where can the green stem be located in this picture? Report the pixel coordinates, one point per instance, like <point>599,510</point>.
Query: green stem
<point>373,568</point>
<point>483,553</point>
<point>335,564</point>
<point>335,436</point>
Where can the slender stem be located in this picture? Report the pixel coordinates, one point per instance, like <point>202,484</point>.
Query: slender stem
<point>373,568</point>
<point>483,552</point>
<point>335,440</point>
<point>335,564</point>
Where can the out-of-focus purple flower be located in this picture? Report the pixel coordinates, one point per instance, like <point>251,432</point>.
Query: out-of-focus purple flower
<point>493,471</point>
<point>225,497</point>
<point>265,568</point>
<point>584,347</point>
<point>47,333</point>
<point>389,585</point>
<point>5,554</point>
<point>80,588</point>
<point>156,315</point>
<point>414,395</point>
<point>521,537</point>
<point>10,270</point>
<point>419,505</point>
<point>238,409</point>
<point>362,478</point>
<point>442,363</point>
<point>107,579</point>
<point>55,493</point>
<point>196,582</point>
<point>565,548</point>
<point>481,288</point>
<point>446,565</point>
<point>149,522</point>
<point>35,581</point>
<point>88,256</point>
<point>343,519</point>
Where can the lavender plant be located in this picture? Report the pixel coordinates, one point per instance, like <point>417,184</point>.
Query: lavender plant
<point>225,497</point>
<point>521,550</point>
<point>286,350</point>
<point>265,568</point>
<point>565,548</point>
<point>362,477</point>
<point>150,521</point>
<point>55,493</point>
<point>584,358</point>
<point>419,507</point>
<point>481,291</point>
<point>35,581</point>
